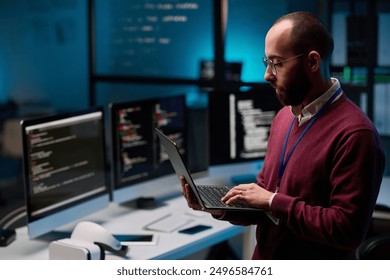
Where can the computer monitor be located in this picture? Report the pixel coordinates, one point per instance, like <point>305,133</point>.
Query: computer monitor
<point>65,165</point>
<point>130,37</point>
<point>239,124</point>
<point>137,155</point>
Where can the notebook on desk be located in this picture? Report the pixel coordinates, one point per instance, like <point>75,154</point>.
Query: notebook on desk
<point>208,196</point>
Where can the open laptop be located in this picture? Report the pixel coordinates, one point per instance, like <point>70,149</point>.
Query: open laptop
<point>209,196</point>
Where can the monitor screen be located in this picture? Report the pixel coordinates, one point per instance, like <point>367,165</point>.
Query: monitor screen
<point>136,152</point>
<point>64,169</point>
<point>130,37</point>
<point>239,124</point>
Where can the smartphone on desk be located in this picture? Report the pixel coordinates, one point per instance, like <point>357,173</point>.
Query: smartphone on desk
<point>136,239</point>
<point>194,229</point>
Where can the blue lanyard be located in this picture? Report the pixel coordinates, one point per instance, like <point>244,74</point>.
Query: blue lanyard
<point>283,164</point>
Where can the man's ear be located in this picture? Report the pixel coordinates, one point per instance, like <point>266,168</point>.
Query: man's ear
<point>314,61</point>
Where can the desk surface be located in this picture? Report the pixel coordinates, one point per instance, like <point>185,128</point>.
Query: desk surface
<point>384,193</point>
<point>122,220</point>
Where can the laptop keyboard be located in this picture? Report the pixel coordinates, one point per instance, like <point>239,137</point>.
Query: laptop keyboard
<point>213,194</point>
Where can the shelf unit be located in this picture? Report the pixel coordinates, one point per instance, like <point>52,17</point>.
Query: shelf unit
<point>361,73</point>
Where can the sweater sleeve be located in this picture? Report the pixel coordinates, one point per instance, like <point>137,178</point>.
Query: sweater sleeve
<point>356,174</point>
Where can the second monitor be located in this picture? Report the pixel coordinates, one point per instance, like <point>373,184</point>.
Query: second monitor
<point>137,156</point>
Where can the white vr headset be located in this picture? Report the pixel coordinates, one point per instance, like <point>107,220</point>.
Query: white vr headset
<point>88,241</point>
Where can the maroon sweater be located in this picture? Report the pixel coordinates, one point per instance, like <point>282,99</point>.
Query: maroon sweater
<point>328,190</point>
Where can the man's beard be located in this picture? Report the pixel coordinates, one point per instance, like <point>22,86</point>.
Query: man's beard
<point>295,90</point>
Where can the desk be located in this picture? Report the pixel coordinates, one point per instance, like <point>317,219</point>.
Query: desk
<point>384,193</point>
<point>120,219</point>
<point>384,200</point>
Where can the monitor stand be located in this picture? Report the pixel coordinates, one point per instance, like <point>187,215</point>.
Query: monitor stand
<point>148,203</point>
<point>144,203</point>
<point>54,235</point>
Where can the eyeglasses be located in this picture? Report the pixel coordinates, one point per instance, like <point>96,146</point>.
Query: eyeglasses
<point>272,65</point>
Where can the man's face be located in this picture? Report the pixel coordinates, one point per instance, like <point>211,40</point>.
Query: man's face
<point>293,87</point>
<point>291,82</point>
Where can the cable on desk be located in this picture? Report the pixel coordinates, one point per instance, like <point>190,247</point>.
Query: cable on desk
<point>13,216</point>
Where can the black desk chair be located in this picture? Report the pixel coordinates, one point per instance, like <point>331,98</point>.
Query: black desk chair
<point>376,247</point>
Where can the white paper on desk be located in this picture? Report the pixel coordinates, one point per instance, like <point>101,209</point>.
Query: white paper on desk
<point>169,223</point>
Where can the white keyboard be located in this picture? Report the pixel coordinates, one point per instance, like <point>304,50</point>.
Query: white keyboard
<point>168,223</point>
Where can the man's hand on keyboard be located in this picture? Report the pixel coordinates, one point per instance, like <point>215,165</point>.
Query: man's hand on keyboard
<point>251,194</point>
<point>192,201</point>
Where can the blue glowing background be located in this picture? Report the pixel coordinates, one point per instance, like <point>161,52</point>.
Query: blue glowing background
<point>248,23</point>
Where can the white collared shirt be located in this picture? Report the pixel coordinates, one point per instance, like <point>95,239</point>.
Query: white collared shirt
<point>313,108</point>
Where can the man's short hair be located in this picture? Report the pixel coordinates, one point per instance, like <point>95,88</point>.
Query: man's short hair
<point>309,33</point>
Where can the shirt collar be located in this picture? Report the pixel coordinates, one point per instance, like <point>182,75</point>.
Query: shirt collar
<point>305,114</point>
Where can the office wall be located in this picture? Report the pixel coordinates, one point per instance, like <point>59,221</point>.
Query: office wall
<point>246,30</point>
<point>44,54</point>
